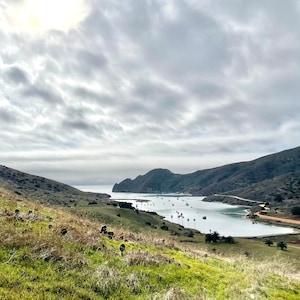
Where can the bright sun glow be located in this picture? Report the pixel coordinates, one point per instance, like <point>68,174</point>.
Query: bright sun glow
<point>42,15</point>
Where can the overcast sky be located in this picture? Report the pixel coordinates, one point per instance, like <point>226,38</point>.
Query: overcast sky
<point>95,91</point>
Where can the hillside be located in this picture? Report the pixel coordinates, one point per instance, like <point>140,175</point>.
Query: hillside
<point>260,179</point>
<point>282,191</point>
<point>45,190</point>
<point>49,253</point>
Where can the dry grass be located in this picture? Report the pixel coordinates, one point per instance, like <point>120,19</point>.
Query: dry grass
<point>85,264</point>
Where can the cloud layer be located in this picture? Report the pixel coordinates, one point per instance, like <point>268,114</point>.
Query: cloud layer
<point>137,85</point>
<point>35,16</point>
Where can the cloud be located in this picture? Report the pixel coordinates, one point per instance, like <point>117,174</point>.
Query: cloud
<point>7,116</point>
<point>41,93</point>
<point>121,88</point>
<point>34,16</point>
<point>16,75</point>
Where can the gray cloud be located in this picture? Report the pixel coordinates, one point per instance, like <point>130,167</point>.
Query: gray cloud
<point>6,116</point>
<point>89,95</point>
<point>42,93</point>
<point>143,84</point>
<point>16,75</point>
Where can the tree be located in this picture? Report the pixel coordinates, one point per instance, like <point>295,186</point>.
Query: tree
<point>295,210</point>
<point>208,238</point>
<point>268,242</point>
<point>278,198</point>
<point>282,245</point>
<point>215,236</point>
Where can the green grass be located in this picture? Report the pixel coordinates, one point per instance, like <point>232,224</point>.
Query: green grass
<point>37,262</point>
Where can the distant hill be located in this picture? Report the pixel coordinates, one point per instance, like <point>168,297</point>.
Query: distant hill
<point>45,190</point>
<point>270,178</point>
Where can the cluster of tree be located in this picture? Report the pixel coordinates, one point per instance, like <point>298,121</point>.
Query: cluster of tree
<point>282,245</point>
<point>215,237</point>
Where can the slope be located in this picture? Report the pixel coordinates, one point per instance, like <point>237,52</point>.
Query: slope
<point>40,261</point>
<point>45,190</point>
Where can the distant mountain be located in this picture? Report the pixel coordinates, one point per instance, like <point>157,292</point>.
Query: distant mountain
<point>45,190</point>
<point>262,179</point>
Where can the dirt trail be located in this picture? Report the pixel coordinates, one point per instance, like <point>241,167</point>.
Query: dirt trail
<point>284,220</point>
<point>239,198</point>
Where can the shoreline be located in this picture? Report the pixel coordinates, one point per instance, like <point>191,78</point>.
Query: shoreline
<point>280,220</point>
<point>261,218</point>
<point>242,203</point>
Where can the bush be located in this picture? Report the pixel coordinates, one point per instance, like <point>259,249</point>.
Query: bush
<point>295,210</point>
<point>278,198</point>
<point>212,237</point>
<point>282,245</point>
<point>215,236</point>
<point>190,234</point>
<point>164,227</point>
<point>268,242</point>
<point>229,240</point>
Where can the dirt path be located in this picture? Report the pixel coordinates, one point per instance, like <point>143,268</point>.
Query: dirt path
<point>284,220</point>
<point>239,198</point>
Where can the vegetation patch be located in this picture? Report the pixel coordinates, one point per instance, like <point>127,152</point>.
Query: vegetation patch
<point>61,255</point>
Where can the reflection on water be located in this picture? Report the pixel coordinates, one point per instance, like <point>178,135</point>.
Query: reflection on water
<point>192,212</point>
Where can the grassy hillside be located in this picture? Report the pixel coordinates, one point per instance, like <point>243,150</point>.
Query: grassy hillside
<point>45,190</point>
<point>40,261</point>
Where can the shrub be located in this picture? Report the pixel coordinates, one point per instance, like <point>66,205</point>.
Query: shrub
<point>215,236</point>
<point>229,239</point>
<point>278,198</point>
<point>268,242</point>
<point>295,210</point>
<point>164,227</point>
<point>212,237</point>
<point>282,245</point>
<point>191,234</point>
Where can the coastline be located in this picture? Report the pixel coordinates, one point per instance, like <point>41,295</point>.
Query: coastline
<point>283,221</point>
<point>232,200</point>
<point>260,218</point>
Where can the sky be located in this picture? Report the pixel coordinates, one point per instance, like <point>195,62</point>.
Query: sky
<point>96,91</point>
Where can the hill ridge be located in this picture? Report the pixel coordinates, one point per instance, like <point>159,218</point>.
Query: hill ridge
<point>251,179</point>
<point>43,189</point>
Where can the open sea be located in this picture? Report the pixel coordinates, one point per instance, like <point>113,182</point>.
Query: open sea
<point>192,212</point>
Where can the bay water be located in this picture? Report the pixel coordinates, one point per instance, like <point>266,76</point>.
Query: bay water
<point>193,212</point>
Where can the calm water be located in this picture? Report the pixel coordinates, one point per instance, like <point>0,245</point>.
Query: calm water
<point>192,212</point>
